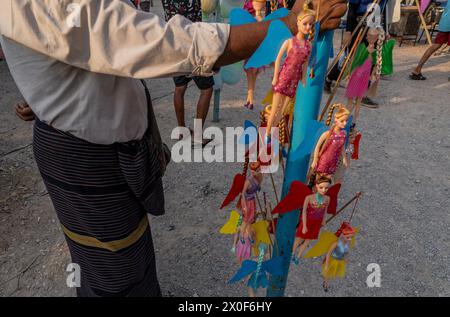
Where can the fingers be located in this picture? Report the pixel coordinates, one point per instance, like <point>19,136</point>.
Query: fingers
<point>24,112</point>
<point>331,18</point>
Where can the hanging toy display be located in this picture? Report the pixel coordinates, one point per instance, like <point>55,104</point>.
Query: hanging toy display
<point>358,83</point>
<point>251,187</point>
<point>331,143</point>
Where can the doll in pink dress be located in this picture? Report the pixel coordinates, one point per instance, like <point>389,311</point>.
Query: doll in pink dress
<point>244,242</point>
<point>331,144</point>
<point>358,83</point>
<point>286,78</point>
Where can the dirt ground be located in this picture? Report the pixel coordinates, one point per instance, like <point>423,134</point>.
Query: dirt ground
<point>404,171</point>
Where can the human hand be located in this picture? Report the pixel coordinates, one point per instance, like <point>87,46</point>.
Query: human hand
<point>24,112</point>
<point>330,13</point>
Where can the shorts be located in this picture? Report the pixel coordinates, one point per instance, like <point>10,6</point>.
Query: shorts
<point>201,82</point>
<point>442,38</point>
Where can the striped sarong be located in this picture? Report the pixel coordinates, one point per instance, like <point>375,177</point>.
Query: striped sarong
<point>102,194</point>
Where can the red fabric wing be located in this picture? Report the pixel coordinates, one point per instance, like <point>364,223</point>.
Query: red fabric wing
<point>236,189</point>
<point>294,199</point>
<point>333,192</point>
<point>355,154</point>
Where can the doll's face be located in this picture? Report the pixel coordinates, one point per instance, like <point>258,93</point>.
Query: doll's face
<point>341,123</point>
<point>258,5</point>
<point>322,188</point>
<point>372,38</point>
<point>304,25</point>
<point>348,237</point>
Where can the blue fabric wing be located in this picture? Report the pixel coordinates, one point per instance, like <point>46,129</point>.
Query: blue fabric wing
<point>278,14</point>
<point>240,16</point>
<point>250,134</point>
<point>247,267</point>
<point>314,130</point>
<point>347,129</point>
<point>312,57</point>
<point>273,266</point>
<point>267,52</point>
<point>262,281</point>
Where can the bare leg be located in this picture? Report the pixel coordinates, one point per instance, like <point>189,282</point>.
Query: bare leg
<point>203,104</point>
<point>251,292</point>
<point>277,104</point>
<point>303,248</point>
<point>426,56</point>
<point>178,101</point>
<point>297,243</point>
<point>350,104</point>
<point>251,83</point>
<point>357,109</point>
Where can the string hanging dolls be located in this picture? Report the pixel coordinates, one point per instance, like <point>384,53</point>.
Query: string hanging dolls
<point>330,146</point>
<point>358,84</point>
<point>286,77</point>
<point>312,217</point>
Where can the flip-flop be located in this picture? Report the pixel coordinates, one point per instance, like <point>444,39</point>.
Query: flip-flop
<point>417,76</point>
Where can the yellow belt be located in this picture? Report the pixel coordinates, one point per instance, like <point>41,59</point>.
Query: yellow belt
<point>113,246</point>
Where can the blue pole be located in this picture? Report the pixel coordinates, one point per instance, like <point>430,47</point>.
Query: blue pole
<point>306,109</point>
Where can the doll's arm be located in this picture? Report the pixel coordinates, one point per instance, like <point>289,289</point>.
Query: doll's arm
<point>327,259</point>
<point>244,190</point>
<point>278,62</point>
<point>344,157</point>
<point>305,71</point>
<point>322,139</point>
<point>304,214</point>
<point>324,220</point>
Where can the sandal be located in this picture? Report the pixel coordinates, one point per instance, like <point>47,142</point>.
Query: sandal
<point>418,76</point>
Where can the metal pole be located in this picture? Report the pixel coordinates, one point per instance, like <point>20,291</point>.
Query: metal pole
<point>306,109</point>
<point>216,110</point>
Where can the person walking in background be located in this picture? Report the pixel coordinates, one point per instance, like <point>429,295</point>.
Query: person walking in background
<point>443,37</point>
<point>190,9</point>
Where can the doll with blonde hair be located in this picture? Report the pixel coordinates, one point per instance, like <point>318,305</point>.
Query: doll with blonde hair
<point>286,77</point>
<point>331,144</point>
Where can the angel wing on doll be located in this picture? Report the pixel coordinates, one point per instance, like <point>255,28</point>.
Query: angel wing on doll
<point>258,279</point>
<point>296,197</point>
<point>326,239</point>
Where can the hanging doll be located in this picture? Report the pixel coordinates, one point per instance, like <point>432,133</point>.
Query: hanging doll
<point>255,8</point>
<point>358,83</point>
<point>330,146</point>
<point>312,217</point>
<point>336,259</point>
<point>251,187</point>
<point>294,68</point>
<point>244,242</point>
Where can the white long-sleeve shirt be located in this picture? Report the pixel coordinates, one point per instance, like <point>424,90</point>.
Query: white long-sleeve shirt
<point>76,61</point>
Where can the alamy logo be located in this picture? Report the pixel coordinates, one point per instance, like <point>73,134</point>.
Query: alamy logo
<point>73,20</point>
<point>235,145</point>
<point>374,278</point>
<point>74,277</point>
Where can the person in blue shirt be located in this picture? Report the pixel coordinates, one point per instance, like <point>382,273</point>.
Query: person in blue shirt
<point>443,37</point>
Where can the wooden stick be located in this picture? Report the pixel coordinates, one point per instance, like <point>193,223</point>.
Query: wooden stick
<point>274,188</point>
<point>357,196</point>
<point>347,43</point>
<point>424,24</point>
<point>333,93</point>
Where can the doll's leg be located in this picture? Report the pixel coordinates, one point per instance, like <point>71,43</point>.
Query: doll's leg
<point>277,103</point>
<point>350,104</point>
<point>251,83</point>
<point>303,248</point>
<point>297,243</point>
<point>251,292</point>
<point>357,108</point>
